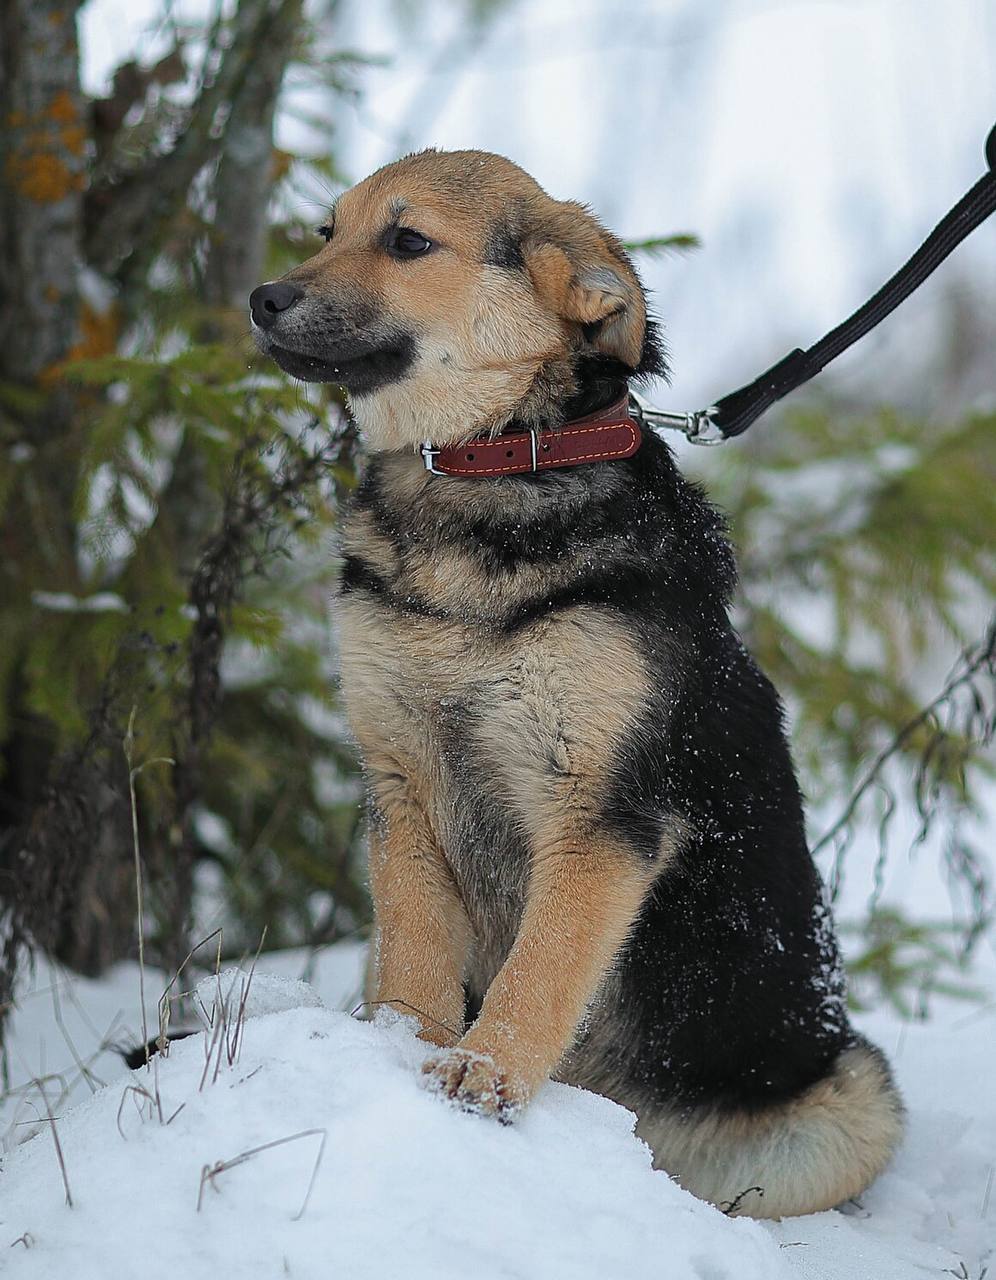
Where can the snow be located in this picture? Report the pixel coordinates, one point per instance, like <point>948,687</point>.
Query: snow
<point>65,602</point>
<point>403,1185</point>
<point>254,993</point>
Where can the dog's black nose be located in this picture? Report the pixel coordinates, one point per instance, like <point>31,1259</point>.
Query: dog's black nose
<point>266,302</point>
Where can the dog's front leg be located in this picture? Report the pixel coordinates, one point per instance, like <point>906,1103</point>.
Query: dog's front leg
<point>581,905</point>
<point>423,934</point>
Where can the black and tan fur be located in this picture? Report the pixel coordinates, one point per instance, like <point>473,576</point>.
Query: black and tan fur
<point>587,848</point>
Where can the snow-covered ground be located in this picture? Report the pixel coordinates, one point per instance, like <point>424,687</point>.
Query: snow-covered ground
<point>372,1177</point>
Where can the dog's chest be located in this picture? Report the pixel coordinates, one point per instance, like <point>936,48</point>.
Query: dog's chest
<point>440,704</point>
<point>505,740</point>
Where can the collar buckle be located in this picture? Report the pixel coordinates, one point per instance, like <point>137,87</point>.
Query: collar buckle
<point>430,453</point>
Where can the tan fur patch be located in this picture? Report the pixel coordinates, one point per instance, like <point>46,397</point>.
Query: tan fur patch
<point>423,935</point>
<point>550,703</point>
<point>551,722</point>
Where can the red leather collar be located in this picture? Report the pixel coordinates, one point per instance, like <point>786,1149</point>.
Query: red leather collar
<point>603,436</point>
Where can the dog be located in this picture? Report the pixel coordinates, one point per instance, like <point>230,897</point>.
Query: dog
<point>587,847</point>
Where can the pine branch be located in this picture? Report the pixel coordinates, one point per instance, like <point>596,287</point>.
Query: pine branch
<point>972,662</point>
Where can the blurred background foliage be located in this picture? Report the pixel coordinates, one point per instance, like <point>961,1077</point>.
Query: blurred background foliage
<point>168,505</point>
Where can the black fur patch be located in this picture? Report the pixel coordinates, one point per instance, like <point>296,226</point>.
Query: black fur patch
<point>502,248</point>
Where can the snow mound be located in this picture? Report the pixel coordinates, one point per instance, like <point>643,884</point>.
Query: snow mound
<point>253,994</point>
<point>315,1153</point>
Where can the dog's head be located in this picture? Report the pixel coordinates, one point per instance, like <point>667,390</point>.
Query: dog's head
<point>452,294</point>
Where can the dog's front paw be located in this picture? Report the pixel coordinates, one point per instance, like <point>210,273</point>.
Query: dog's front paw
<point>473,1082</point>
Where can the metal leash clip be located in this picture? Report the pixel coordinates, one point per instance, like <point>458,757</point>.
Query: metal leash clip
<point>698,426</point>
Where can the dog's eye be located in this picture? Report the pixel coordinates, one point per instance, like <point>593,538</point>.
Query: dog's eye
<point>325,231</point>
<point>406,243</point>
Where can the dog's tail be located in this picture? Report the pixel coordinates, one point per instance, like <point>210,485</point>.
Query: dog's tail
<point>807,1154</point>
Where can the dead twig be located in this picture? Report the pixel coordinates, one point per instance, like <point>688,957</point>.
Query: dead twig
<point>729,1207</point>
<point>210,1171</point>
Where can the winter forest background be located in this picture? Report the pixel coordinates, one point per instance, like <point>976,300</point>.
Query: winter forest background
<point>168,500</point>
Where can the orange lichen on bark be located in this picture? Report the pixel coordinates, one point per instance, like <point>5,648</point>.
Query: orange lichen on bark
<point>282,161</point>
<point>100,332</point>
<point>73,138</point>
<point>62,108</point>
<point>42,177</point>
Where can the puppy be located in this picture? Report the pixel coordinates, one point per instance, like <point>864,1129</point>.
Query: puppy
<point>587,851</point>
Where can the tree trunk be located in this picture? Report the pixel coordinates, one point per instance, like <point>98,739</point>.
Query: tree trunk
<point>243,185</point>
<point>247,171</point>
<point>43,146</point>
<point>66,876</point>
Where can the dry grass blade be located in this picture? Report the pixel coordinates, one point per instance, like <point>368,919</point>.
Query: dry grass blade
<point>162,1043</point>
<point>93,1081</point>
<point>138,1091</point>
<point>27,1240</point>
<point>211,1171</point>
<point>133,772</point>
<point>223,1017</point>
<point>372,1004</point>
<point>22,1093</point>
<point>234,1043</point>
<point>58,1145</point>
<point>212,1044</point>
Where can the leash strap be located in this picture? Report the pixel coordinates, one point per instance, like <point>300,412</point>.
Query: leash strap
<point>734,413</point>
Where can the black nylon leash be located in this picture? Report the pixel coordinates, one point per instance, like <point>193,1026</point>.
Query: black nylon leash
<point>734,413</point>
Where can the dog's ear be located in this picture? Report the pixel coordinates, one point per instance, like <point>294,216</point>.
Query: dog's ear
<point>582,273</point>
